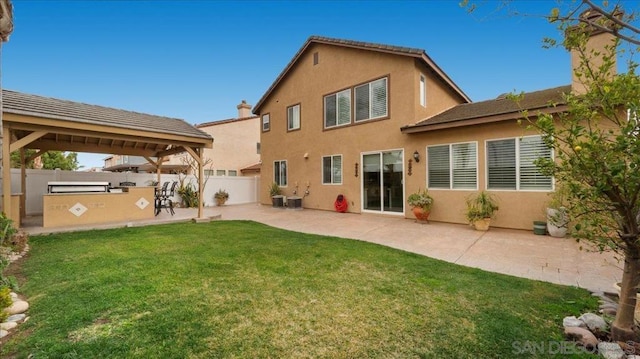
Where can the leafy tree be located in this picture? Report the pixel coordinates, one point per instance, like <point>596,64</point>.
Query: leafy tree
<point>50,160</point>
<point>596,139</point>
<point>598,152</point>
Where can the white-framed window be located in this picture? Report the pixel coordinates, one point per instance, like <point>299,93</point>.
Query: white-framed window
<point>371,100</point>
<point>337,109</point>
<point>332,169</point>
<point>510,164</point>
<point>453,166</point>
<point>221,172</point>
<point>266,122</point>
<point>423,91</point>
<point>280,172</point>
<point>293,117</point>
<point>232,173</point>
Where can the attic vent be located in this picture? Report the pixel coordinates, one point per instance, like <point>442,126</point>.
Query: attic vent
<point>315,58</point>
<point>502,96</point>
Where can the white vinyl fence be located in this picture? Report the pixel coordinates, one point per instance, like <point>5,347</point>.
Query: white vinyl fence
<point>240,189</point>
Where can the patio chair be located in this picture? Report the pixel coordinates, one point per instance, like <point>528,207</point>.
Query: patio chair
<point>160,196</point>
<point>165,200</point>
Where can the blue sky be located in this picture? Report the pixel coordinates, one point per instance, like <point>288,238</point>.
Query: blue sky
<point>197,60</point>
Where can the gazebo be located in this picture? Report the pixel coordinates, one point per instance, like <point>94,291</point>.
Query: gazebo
<point>48,124</point>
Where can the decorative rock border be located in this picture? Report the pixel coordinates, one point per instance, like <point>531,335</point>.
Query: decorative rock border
<point>589,331</point>
<point>18,306</point>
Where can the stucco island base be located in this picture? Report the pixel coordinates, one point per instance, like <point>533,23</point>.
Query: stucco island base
<point>76,209</point>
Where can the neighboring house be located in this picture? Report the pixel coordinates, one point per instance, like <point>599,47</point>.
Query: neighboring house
<point>236,150</point>
<point>138,164</point>
<point>376,123</point>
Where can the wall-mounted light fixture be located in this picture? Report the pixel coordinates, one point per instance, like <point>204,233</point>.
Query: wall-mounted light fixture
<point>416,156</point>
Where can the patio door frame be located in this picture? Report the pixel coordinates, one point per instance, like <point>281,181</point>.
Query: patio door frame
<point>382,183</point>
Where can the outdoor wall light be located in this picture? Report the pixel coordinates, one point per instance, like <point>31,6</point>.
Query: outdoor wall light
<point>416,156</point>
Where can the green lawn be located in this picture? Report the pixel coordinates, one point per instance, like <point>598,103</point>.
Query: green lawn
<point>240,289</point>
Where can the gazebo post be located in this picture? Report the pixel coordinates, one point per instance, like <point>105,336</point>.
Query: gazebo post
<point>199,151</point>
<point>23,185</point>
<point>6,176</point>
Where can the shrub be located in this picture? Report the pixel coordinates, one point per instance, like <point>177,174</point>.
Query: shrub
<point>5,301</point>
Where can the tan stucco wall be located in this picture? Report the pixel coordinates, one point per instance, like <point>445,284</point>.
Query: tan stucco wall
<point>307,84</point>
<point>101,207</point>
<point>518,209</point>
<point>235,144</point>
<point>341,68</point>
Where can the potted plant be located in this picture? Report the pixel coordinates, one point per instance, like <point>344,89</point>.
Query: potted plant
<point>557,214</point>
<point>480,209</point>
<point>277,200</point>
<point>221,197</point>
<point>421,202</point>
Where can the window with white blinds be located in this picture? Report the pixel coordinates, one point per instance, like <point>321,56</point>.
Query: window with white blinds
<point>293,118</point>
<point>453,166</point>
<point>332,169</point>
<point>510,164</point>
<point>371,100</point>
<point>337,109</point>
<point>532,148</point>
<point>266,122</point>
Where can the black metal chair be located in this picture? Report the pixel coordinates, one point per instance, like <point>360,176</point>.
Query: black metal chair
<point>160,197</point>
<point>163,198</point>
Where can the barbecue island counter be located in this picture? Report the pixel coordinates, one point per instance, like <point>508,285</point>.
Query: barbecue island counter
<point>86,203</point>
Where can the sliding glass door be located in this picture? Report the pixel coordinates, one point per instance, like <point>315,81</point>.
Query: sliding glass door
<point>382,182</point>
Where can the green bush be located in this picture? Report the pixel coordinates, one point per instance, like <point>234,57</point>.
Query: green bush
<point>5,301</point>
<point>189,195</point>
<point>7,230</point>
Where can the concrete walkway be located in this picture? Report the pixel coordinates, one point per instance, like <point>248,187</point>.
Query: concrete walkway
<point>513,252</point>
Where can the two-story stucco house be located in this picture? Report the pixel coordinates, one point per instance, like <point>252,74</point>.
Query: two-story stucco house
<point>236,151</point>
<point>376,123</point>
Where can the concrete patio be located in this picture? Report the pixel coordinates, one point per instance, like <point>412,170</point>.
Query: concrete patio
<point>512,252</point>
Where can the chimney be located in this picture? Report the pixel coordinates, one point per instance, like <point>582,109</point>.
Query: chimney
<point>244,109</point>
<point>598,46</point>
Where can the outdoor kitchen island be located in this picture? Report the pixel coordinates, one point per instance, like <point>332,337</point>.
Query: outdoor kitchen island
<point>86,203</point>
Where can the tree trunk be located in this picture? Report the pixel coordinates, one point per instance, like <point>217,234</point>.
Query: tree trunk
<point>622,328</point>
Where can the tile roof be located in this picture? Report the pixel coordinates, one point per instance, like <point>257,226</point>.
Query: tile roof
<point>222,122</point>
<point>46,107</point>
<point>500,106</point>
<point>397,50</point>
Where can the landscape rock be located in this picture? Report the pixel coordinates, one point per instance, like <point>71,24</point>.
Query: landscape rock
<point>3,333</point>
<point>611,350</point>
<point>8,325</point>
<point>609,305</point>
<point>573,322</point>
<point>594,322</point>
<point>16,318</point>
<point>581,336</point>
<point>609,311</point>
<point>19,306</point>
<point>13,296</point>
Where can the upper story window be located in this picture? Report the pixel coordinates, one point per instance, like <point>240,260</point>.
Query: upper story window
<point>266,122</point>
<point>233,173</point>
<point>332,169</point>
<point>337,109</point>
<point>293,117</point>
<point>371,100</point>
<point>423,91</point>
<point>510,164</point>
<point>221,172</point>
<point>453,166</point>
<point>280,173</point>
